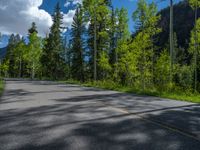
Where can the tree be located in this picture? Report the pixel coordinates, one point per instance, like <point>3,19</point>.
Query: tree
<point>194,50</point>
<point>162,69</point>
<point>53,63</point>
<point>171,39</point>
<point>77,48</point>
<point>33,28</point>
<point>90,8</point>
<point>146,19</point>
<point>121,36</point>
<point>10,55</point>
<point>195,4</point>
<point>98,14</point>
<point>19,56</point>
<point>34,51</point>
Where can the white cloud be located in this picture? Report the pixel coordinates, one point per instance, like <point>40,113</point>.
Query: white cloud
<point>16,16</point>
<point>77,2</point>
<point>68,18</point>
<point>67,4</point>
<point>73,2</point>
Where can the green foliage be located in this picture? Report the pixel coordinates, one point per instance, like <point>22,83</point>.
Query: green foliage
<point>104,64</point>
<point>162,69</point>
<point>192,48</point>
<point>4,67</point>
<point>194,3</point>
<point>77,48</point>
<point>2,84</point>
<point>185,77</point>
<point>146,23</point>
<point>98,13</point>
<point>33,55</point>
<point>106,56</point>
<point>52,63</point>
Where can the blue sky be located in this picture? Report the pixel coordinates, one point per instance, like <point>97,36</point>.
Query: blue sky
<point>39,11</point>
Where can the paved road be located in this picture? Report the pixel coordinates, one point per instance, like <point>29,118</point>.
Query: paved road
<point>48,116</point>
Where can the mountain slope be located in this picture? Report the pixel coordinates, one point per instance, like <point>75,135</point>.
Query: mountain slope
<point>183,24</point>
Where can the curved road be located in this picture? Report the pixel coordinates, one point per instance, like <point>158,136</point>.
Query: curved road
<point>41,115</point>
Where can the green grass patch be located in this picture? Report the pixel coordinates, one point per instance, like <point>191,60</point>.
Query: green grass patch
<point>176,94</point>
<point>2,84</point>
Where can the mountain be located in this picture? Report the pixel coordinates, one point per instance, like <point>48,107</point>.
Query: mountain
<point>3,52</point>
<point>183,24</point>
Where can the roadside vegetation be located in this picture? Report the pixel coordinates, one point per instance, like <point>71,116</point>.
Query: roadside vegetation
<point>176,94</point>
<point>1,86</point>
<point>102,52</point>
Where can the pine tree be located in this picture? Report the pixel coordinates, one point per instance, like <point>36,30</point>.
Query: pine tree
<point>113,38</point>
<point>33,28</point>
<point>98,13</point>
<point>77,45</point>
<point>10,56</point>
<point>51,60</point>
<point>122,35</point>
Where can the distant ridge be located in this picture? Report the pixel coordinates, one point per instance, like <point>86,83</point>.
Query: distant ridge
<point>183,24</point>
<point>3,52</point>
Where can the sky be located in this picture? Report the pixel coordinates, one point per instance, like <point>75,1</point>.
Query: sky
<point>16,16</point>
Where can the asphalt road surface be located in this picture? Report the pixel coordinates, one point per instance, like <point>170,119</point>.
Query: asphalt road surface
<point>41,115</point>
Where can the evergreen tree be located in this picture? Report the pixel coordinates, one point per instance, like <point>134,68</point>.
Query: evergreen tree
<point>113,38</point>
<point>51,60</point>
<point>10,56</point>
<point>77,45</point>
<point>122,35</point>
<point>33,28</point>
<point>98,13</point>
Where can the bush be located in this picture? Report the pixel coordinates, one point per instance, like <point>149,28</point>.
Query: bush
<point>185,77</point>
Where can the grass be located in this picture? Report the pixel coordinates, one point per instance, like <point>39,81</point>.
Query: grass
<point>2,84</point>
<point>180,95</point>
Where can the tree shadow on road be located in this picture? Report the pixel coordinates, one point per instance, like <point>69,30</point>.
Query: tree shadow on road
<point>84,123</point>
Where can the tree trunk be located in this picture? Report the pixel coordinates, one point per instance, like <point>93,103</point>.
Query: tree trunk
<point>171,40</point>
<point>95,47</point>
<point>20,68</point>
<point>33,71</point>
<point>196,47</point>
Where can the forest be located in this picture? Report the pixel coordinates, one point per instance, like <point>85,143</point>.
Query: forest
<point>156,59</point>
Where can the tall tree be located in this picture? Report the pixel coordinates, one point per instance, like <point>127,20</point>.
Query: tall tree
<point>51,59</point>
<point>195,4</point>
<point>171,39</point>
<point>146,26</point>
<point>98,13</point>
<point>78,27</point>
<point>194,50</point>
<point>121,35</point>
<point>10,56</point>
<point>33,28</point>
<point>19,56</point>
<point>34,51</point>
